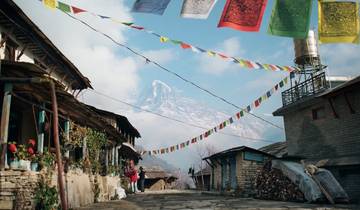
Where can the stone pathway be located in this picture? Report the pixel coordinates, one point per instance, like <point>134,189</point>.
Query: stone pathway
<point>196,200</point>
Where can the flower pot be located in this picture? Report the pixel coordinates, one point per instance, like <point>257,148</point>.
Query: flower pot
<point>34,166</point>
<point>14,164</point>
<point>24,164</point>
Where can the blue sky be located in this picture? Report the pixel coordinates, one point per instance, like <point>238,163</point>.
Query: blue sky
<point>116,72</point>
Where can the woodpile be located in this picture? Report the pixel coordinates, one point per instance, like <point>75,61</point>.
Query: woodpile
<point>272,184</point>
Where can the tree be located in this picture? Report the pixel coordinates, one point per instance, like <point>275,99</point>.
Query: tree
<point>202,151</point>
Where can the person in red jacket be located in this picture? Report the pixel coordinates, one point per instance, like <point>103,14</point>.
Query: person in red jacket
<point>133,176</point>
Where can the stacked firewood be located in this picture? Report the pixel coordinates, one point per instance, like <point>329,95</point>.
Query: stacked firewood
<point>272,184</point>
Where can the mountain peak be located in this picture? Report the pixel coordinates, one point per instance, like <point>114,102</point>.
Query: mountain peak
<point>160,89</point>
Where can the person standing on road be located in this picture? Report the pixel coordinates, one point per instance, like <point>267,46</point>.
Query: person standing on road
<point>132,174</point>
<point>142,179</point>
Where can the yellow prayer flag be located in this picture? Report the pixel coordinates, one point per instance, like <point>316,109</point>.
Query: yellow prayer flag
<point>211,53</point>
<point>338,21</point>
<point>50,3</point>
<point>164,39</point>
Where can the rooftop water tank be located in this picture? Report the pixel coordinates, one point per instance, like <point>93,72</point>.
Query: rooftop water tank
<point>306,51</point>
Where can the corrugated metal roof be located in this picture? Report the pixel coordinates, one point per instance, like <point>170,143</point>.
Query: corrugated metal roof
<point>278,149</point>
<point>234,150</point>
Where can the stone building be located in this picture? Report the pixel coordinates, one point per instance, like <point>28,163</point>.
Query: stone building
<point>157,179</point>
<point>234,170</point>
<point>202,178</point>
<point>323,128</point>
<point>29,62</point>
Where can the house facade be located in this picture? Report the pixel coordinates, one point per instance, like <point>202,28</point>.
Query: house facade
<point>29,62</point>
<point>234,170</point>
<point>323,129</point>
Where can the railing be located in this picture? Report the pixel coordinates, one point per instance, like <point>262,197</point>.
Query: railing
<point>305,89</point>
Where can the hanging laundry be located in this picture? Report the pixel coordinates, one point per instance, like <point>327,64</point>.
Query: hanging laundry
<point>150,6</point>
<point>290,18</point>
<point>199,9</point>
<point>338,21</point>
<point>243,15</point>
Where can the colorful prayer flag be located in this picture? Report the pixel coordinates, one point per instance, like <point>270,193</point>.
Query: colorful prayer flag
<point>175,41</point>
<point>164,39</point>
<point>77,10</point>
<point>243,15</point>
<point>150,6</point>
<point>50,4</point>
<point>127,23</point>
<point>64,7</point>
<point>199,9</point>
<point>338,21</point>
<point>185,46</point>
<point>211,53</point>
<point>290,18</point>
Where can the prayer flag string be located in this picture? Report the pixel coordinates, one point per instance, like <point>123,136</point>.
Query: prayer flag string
<point>244,63</point>
<point>222,125</point>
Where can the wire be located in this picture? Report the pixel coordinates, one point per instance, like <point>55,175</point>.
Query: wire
<point>171,72</point>
<point>177,120</point>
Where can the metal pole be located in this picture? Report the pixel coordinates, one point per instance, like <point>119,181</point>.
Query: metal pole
<point>57,145</point>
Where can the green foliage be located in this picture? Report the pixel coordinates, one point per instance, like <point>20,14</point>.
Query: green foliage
<point>46,197</point>
<point>22,153</point>
<point>95,141</point>
<point>76,136</point>
<point>47,159</point>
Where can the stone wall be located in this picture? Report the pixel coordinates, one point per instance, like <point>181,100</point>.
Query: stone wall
<point>246,172</point>
<point>217,177</point>
<point>328,137</point>
<point>17,188</point>
<point>158,185</point>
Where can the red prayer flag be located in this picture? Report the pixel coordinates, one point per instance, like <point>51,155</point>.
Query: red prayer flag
<point>77,10</point>
<point>257,103</point>
<point>223,56</point>
<point>137,27</point>
<point>185,46</point>
<point>238,115</point>
<point>243,15</point>
<point>249,65</point>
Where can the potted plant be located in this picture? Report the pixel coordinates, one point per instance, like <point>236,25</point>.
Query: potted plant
<point>23,155</point>
<point>14,163</point>
<point>35,159</point>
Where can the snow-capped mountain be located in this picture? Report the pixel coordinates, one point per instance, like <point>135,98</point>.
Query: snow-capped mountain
<point>163,99</point>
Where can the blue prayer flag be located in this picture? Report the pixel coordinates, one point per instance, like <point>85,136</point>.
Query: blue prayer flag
<point>150,6</point>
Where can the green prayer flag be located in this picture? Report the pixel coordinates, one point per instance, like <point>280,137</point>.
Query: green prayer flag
<point>64,7</point>
<point>290,18</point>
<point>176,41</point>
<point>127,23</point>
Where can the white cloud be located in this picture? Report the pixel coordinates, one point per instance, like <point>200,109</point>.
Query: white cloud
<point>341,59</point>
<point>218,66</point>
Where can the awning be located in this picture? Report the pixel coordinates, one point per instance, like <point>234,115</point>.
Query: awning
<point>128,151</point>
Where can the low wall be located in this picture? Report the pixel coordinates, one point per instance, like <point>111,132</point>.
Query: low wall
<point>17,188</point>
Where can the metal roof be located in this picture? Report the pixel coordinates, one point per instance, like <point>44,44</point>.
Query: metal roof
<point>278,149</point>
<point>234,150</point>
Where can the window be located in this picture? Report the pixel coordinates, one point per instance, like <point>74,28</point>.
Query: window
<point>318,113</point>
<point>253,156</point>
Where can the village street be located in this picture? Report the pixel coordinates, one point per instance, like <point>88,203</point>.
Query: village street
<point>198,200</point>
